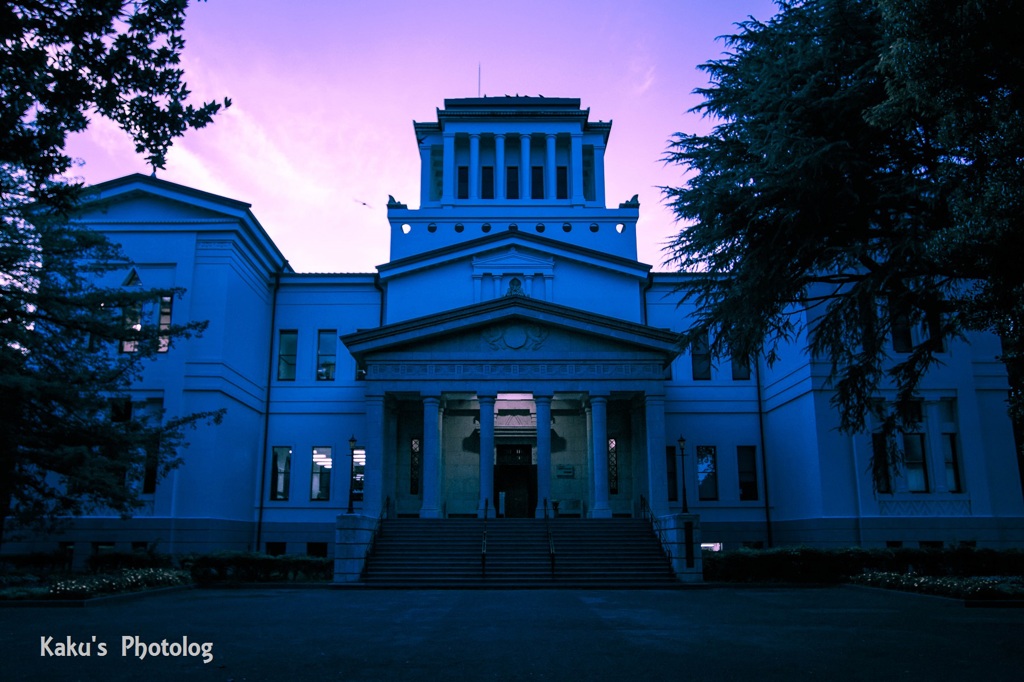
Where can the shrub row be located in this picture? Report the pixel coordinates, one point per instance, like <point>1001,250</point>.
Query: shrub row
<point>114,561</point>
<point>36,562</point>
<point>809,565</point>
<point>126,580</point>
<point>255,567</point>
<point>960,588</point>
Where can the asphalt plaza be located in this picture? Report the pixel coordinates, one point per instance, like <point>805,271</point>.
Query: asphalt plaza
<point>722,633</point>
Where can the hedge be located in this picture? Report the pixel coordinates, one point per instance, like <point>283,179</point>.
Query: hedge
<point>239,567</point>
<point>811,565</point>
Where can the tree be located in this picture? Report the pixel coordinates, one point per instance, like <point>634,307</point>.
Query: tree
<point>72,341</point>
<point>866,167</point>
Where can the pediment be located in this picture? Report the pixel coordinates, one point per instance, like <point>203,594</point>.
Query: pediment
<point>514,328</point>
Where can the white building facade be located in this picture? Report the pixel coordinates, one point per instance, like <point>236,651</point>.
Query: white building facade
<point>513,357</point>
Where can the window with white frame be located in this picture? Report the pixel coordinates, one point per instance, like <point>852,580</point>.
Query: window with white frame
<point>326,354</point>
<point>320,479</point>
<point>707,472</point>
<point>280,472</point>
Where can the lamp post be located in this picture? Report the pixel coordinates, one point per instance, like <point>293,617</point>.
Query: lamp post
<point>351,471</point>
<point>682,471</point>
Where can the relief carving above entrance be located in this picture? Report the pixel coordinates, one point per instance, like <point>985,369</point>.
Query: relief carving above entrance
<point>515,336</point>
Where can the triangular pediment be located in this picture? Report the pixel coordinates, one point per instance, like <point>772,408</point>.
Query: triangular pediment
<point>514,327</point>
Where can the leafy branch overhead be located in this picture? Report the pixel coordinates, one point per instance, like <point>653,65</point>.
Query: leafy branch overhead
<point>863,184</point>
<point>76,331</point>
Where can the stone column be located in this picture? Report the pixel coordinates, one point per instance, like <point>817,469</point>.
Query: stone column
<point>576,168</point>
<point>499,165</point>
<point>486,455</point>
<point>390,453</point>
<point>549,168</point>
<point>599,416</point>
<point>543,403</point>
<point>657,473</point>
<point>524,166</point>
<point>599,174</point>
<point>448,165</point>
<point>431,508</point>
<point>589,417</point>
<point>425,179</point>
<point>474,166</point>
<point>373,441</point>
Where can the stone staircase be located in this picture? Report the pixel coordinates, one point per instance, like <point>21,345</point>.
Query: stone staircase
<point>589,553</point>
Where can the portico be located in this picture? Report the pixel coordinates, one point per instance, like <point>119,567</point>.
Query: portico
<point>514,396</point>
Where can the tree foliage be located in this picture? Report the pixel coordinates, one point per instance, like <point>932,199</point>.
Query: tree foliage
<point>67,443</point>
<point>865,179</point>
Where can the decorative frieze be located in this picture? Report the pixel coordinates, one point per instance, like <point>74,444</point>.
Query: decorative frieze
<point>497,370</point>
<point>924,507</point>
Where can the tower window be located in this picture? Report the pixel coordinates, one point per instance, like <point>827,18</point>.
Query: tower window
<point>512,182</point>
<point>463,179</point>
<point>537,182</point>
<point>487,182</point>
<point>562,182</point>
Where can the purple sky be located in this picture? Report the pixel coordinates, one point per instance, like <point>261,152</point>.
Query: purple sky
<point>325,94</point>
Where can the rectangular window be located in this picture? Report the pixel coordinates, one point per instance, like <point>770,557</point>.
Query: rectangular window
<point>588,173</point>
<point>537,182</point>
<point>487,182</point>
<point>914,465</point>
<point>613,467</point>
<point>165,323</point>
<point>512,182</point>
<point>326,354</point>
<point>746,465</point>
<point>951,458</point>
<point>131,323</point>
<point>700,358</point>
<point>707,472</point>
<point>320,481</point>
<point>358,474</point>
<point>276,548</point>
<point>415,466</point>
<point>740,369</point>
<point>287,347</point>
<point>899,323</point>
<point>317,549</point>
<point>671,473</point>
<point>878,451</point>
<point>562,182</point>
<point>463,182</point>
<point>280,472</point>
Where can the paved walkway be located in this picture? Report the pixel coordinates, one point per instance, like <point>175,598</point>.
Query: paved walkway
<point>841,633</point>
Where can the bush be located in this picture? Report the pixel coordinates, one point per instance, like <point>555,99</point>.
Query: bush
<point>993,587</point>
<point>42,563</point>
<point>126,580</point>
<point>809,565</point>
<point>237,567</point>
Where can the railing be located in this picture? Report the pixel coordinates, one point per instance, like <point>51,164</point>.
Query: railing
<point>647,513</point>
<point>376,529</point>
<point>551,539</point>
<point>483,543</point>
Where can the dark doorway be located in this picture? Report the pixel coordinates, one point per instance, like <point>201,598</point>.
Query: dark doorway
<point>516,476</point>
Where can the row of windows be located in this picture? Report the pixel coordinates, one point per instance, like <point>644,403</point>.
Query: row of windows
<point>915,476</point>
<point>326,354</point>
<point>708,474</point>
<point>512,190</point>
<point>700,363</point>
<point>320,473</point>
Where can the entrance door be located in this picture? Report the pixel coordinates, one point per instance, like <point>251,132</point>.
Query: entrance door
<point>516,476</point>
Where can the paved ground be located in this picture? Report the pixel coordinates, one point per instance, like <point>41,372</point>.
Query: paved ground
<point>842,633</point>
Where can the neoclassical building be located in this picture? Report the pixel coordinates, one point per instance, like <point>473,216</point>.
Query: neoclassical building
<point>512,356</point>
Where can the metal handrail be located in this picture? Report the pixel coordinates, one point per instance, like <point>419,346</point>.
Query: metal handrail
<point>648,513</point>
<point>376,528</point>
<point>483,543</point>
<point>551,539</point>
